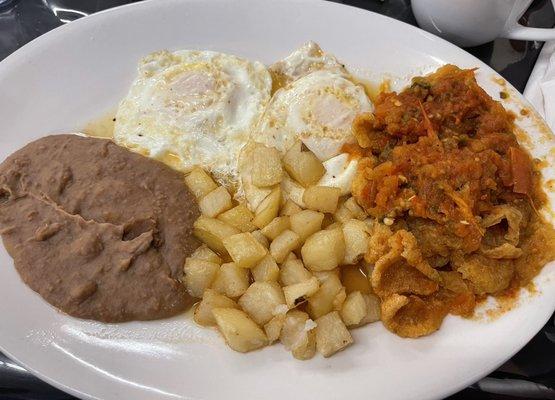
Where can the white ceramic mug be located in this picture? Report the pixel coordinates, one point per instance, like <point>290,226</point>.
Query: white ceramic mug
<point>474,22</point>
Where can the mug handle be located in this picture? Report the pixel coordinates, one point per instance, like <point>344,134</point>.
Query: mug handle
<point>514,30</point>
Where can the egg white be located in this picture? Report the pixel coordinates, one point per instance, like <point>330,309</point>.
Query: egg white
<point>317,107</point>
<point>190,108</point>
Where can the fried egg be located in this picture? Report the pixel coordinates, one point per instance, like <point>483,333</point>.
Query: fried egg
<point>318,108</point>
<point>190,108</point>
<point>306,59</point>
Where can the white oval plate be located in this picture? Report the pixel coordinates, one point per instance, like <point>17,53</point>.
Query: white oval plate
<point>78,72</point>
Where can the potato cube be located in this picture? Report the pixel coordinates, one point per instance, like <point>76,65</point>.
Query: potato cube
<point>215,202</point>
<point>305,223</point>
<point>298,335</point>
<point>273,327</point>
<point>335,225</point>
<point>231,280</point>
<point>244,249</point>
<point>331,334</point>
<point>356,241</point>
<point>199,275</point>
<point>210,300</point>
<point>324,275</point>
<point>305,346</point>
<point>324,250</point>
<point>290,256</point>
<point>212,231</point>
<point>293,271</point>
<point>373,309</point>
<point>292,190</point>
<point>266,166</point>
<point>266,270</point>
<point>339,299</point>
<point>327,298</point>
<point>282,245</point>
<point>322,198</point>
<point>200,183</point>
<point>298,293</point>
<point>303,166</point>
<point>240,332</point>
<point>261,300</point>
<point>354,279</point>
<point>293,327</point>
<point>354,309</point>
<point>257,234</point>
<point>240,217</point>
<point>342,214</point>
<point>268,209</point>
<point>356,210</point>
<point>275,227</point>
<point>204,253</point>
<point>289,208</point>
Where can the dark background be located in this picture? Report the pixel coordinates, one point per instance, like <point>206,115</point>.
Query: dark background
<point>530,374</point>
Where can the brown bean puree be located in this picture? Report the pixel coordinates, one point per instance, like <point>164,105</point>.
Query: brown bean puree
<point>98,231</point>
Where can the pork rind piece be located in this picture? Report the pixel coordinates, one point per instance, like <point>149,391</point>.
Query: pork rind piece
<point>506,250</point>
<point>411,316</point>
<point>403,269</point>
<point>513,217</point>
<point>484,274</point>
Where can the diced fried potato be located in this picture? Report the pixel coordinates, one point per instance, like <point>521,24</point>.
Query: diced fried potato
<point>266,270</point>
<point>293,328</point>
<point>244,249</point>
<point>293,271</point>
<point>303,166</point>
<point>373,309</point>
<point>212,231</point>
<point>282,245</point>
<point>354,279</point>
<point>290,256</point>
<point>306,222</point>
<point>356,210</point>
<point>335,225</point>
<point>331,334</point>
<point>231,280</point>
<point>203,252</point>
<point>298,293</point>
<point>275,227</point>
<point>289,208</point>
<point>273,327</point>
<point>342,214</point>
<point>268,209</point>
<point>257,234</point>
<point>356,241</point>
<point>323,275</point>
<point>322,198</point>
<point>326,298</point>
<point>261,300</point>
<point>240,217</point>
<point>305,347</point>
<point>210,300</point>
<point>215,202</point>
<point>324,250</point>
<point>292,190</point>
<point>266,166</point>
<point>339,299</point>
<point>354,309</point>
<point>199,275</point>
<point>200,183</point>
<point>240,332</point>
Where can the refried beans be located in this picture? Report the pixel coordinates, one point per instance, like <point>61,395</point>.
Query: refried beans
<point>98,231</point>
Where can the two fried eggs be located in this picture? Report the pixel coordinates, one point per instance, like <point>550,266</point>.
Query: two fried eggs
<point>204,108</point>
